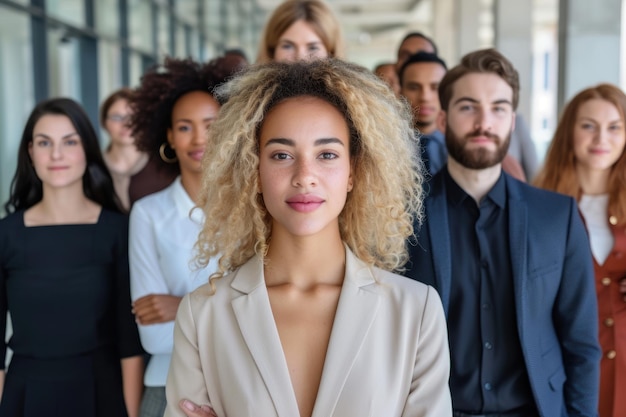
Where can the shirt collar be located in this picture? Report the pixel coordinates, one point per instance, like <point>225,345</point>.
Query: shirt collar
<point>184,203</point>
<point>456,195</point>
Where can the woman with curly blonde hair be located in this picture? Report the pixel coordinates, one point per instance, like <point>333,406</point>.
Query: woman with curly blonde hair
<point>587,160</point>
<point>301,29</point>
<point>310,191</point>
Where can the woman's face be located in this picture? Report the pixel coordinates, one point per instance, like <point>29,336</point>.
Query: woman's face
<point>57,152</point>
<point>599,135</point>
<point>116,123</point>
<point>299,42</point>
<point>192,115</point>
<point>304,166</point>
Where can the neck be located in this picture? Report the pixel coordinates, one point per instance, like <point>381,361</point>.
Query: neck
<point>475,182</point>
<point>62,206</point>
<point>593,182</point>
<point>305,261</point>
<point>191,182</point>
<point>123,157</point>
<point>426,129</point>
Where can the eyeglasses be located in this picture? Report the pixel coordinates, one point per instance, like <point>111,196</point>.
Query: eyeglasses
<point>119,118</point>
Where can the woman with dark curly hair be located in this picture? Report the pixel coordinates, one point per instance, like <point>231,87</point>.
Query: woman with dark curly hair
<point>64,277</point>
<point>172,110</point>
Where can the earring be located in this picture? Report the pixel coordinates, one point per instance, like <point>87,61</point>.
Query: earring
<point>164,157</point>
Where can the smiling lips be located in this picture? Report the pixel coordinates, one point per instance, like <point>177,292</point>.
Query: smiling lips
<point>304,203</point>
<point>197,154</point>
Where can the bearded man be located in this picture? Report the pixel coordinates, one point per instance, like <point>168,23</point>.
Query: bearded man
<point>511,262</point>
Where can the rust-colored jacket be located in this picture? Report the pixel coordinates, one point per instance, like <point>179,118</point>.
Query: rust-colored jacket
<point>612,316</point>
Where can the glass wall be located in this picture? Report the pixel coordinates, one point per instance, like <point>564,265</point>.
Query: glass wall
<point>16,90</point>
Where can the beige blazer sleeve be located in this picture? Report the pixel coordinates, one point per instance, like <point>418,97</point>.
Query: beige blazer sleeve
<point>185,379</point>
<point>430,394</point>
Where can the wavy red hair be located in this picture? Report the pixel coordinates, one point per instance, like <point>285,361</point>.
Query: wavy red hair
<point>559,169</point>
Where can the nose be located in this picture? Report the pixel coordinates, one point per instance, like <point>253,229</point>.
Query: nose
<point>199,135</point>
<point>483,120</point>
<point>304,174</point>
<point>427,95</point>
<point>56,152</point>
<point>602,135</point>
<point>302,54</point>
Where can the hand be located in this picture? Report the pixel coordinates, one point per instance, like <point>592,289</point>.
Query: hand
<point>193,410</point>
<point>156,308</point>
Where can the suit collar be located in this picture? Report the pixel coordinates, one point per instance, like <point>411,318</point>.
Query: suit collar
<point>439,232</point>
<point>356,309</point>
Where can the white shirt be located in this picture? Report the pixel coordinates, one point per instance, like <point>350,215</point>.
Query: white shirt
<point>162,235</point>
<point>594,209</point>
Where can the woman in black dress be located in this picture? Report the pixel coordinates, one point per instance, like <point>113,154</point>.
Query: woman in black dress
<point>64,277</point>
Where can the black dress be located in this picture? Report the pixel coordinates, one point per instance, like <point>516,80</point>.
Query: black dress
<point>66,288</point>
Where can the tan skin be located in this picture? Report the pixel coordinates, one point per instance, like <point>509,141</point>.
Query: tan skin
<point>191,116</point>
<point>59,160</point>
<point>304,151</point>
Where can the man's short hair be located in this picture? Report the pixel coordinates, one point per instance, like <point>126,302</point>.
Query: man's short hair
<point>420,35</point>
<point>418,58</point>
<point>484,61</point>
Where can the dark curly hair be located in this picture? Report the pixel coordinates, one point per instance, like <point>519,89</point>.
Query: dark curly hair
<point>153,101</point>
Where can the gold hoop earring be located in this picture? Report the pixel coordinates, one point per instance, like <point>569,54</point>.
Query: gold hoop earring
<point>164,157</point>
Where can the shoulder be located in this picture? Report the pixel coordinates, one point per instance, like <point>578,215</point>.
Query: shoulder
<point>156,199</point>
<point>538,197</point>
<point>109,218</point>
<point>10,227</point>
<point>405,292</point>
<point>12,220</point>
<point>156,204</point>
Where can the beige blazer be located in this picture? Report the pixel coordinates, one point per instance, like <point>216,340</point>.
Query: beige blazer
<point>387,355</point>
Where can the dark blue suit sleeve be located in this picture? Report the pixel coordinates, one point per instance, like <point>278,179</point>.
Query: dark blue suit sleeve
<point>575,318</point>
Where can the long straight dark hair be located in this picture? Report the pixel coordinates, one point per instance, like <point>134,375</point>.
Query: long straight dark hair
<point>26,187</point>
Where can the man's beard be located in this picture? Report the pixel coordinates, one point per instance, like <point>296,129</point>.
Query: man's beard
<point>479,158</point>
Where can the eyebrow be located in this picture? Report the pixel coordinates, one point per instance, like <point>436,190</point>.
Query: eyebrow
<point>48,137</point>
<point>291,142</point>
<point>594,120</point>
<point>206,119</point>
<point>289,41</point>
<point>473,100</point>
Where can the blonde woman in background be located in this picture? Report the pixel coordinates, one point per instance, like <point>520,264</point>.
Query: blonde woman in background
<point>301,29</point>
<point>586,160</point>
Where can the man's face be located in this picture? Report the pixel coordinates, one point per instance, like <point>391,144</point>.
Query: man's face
<point>412,46</point>
<point>479,120</point>
<point>420,84</point>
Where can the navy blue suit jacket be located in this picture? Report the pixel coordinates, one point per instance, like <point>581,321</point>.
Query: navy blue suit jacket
<point>555,297</point>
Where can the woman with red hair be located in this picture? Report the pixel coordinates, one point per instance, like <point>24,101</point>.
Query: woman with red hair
<point>587,161</point>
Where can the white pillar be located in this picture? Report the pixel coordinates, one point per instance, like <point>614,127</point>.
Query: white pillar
<point>469,24</point>
<point>589,45</point>
<point>513,38</point>
<point>444,30</point>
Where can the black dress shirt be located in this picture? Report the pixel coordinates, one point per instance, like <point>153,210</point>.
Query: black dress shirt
<point>488,374</point>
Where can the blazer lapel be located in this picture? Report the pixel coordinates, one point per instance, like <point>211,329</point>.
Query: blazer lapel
<point>358,304</point>
<point>439,232</point>
<point>256,322</point>
<point>518,240</point>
